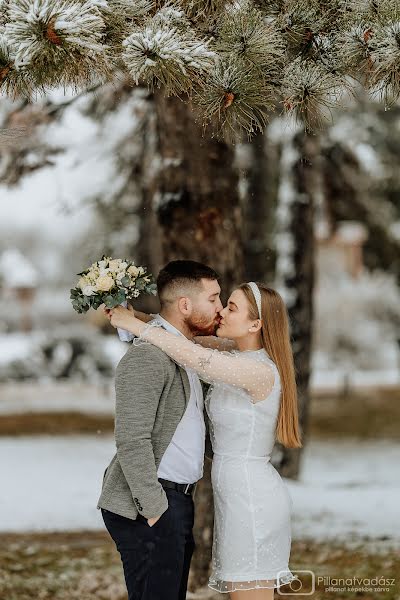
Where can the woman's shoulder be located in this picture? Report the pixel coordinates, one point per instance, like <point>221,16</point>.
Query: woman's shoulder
<point>260,355</point>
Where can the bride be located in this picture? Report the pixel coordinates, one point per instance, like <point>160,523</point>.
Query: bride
<point>251,404</point>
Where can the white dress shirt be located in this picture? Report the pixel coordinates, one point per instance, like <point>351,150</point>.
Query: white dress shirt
<point>183,460</point>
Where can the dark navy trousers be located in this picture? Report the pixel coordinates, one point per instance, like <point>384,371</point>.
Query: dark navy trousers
<point>156,560</point>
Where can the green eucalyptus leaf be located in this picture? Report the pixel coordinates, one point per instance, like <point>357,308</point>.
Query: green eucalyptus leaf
<point>126,281</point>
<point>140,285</point>
<point>109,301</point>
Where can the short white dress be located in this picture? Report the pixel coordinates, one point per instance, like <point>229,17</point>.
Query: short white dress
<point>252,506</point>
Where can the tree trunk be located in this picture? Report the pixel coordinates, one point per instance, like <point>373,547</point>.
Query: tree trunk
<point>296,270</point>
<point>196,200</point>
<point>257,161</point>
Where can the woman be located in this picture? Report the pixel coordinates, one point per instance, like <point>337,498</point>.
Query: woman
<point>252,403</point>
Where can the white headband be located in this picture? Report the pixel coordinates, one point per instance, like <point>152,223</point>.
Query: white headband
<point>257,295</point>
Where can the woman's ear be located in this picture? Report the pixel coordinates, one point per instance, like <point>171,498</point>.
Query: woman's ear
<point>256,326</point>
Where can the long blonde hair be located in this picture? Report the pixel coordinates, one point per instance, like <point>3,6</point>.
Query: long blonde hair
<point>275,339</point>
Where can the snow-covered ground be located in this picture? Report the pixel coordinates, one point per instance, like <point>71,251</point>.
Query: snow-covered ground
<point>348,490</point>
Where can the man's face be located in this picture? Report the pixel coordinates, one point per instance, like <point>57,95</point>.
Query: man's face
<point>204,319</point>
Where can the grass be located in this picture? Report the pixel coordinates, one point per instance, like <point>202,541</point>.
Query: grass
<point>59,566</point>
<point>86,566</point>
<point>364,415</point>
<point>54,423</point>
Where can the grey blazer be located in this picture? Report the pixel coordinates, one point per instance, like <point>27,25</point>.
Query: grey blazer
<point>152,393</point>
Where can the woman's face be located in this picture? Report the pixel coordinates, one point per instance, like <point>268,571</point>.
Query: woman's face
<point>235,321</point>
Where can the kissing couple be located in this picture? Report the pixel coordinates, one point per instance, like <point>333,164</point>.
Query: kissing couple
<point>244,352</point>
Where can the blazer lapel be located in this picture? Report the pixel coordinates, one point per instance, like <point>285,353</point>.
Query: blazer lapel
<point>186,384</point>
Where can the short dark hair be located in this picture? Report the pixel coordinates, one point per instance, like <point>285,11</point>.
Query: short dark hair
<point>179,273</point>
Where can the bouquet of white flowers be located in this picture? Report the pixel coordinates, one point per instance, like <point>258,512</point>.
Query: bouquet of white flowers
<point>111,282</point>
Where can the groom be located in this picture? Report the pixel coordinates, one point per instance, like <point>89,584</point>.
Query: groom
<point>146,497</point>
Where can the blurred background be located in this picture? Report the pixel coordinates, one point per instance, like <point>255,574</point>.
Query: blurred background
<point>126,173</point>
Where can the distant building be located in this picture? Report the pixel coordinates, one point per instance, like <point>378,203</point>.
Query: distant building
<point>341,252</point>
<point>19,281</point>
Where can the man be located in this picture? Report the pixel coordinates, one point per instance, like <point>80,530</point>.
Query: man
<point>146,498</point>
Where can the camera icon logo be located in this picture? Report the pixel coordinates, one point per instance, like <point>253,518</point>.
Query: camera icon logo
<point>303,583</point>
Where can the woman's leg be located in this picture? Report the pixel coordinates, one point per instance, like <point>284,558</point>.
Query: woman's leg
<point>260,594</point>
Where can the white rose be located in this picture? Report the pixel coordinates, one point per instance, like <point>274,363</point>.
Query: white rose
<point>104,283</point>
<point>102,264</point>
<point>82,283</point>
<point>88,290</point>
<point>123,265</point>
<point>133,271</point>
<point>113,265</point>
<point>103,272</point>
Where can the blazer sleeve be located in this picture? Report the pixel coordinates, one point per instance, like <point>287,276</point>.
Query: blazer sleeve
<point>140,379</point>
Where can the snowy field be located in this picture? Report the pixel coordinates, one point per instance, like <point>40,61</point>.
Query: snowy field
<point>348,490</point>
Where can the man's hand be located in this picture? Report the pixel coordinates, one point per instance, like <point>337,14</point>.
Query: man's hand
<point>153,520</point>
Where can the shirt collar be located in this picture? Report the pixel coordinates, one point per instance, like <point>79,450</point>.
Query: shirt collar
<point>167,325</point>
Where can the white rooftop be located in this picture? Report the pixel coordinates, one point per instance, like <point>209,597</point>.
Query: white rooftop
<point>16,270</point>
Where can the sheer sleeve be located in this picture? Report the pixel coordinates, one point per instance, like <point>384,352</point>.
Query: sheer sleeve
<point>216,343</point>
<point>237,369</point>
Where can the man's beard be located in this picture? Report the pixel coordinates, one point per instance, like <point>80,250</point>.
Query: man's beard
<point>199,325</point>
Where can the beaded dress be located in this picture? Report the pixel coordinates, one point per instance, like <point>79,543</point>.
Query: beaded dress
<point>252,536</point>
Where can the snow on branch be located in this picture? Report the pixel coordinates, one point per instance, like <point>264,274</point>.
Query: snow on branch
<point>56,42</point>
<point>294,55</point>
<point>166,56</point>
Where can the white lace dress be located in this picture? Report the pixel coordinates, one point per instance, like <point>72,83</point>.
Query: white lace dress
<point>252,507</point>
<point>251,544</point>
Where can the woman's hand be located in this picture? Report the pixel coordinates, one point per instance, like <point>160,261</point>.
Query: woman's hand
<point>121,317</point>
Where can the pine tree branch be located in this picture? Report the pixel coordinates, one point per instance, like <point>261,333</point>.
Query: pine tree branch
<point>182,45</point>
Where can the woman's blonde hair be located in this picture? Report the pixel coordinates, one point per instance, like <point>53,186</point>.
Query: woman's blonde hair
<point>276,341</point>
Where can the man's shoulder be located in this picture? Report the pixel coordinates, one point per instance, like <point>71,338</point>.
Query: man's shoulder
<point>145,353</point>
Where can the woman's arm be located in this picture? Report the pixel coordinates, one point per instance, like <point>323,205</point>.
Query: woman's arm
<point>144,317</point>
<point>214,342</point>
<point>235,369</point>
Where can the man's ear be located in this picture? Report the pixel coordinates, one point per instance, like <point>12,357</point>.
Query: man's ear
<point>185,306</point>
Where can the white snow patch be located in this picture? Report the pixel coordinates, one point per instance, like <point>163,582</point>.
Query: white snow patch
<point>348,489</point>
<point>15,346</point>
<point>52,483</point>
<point>16,269</point>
